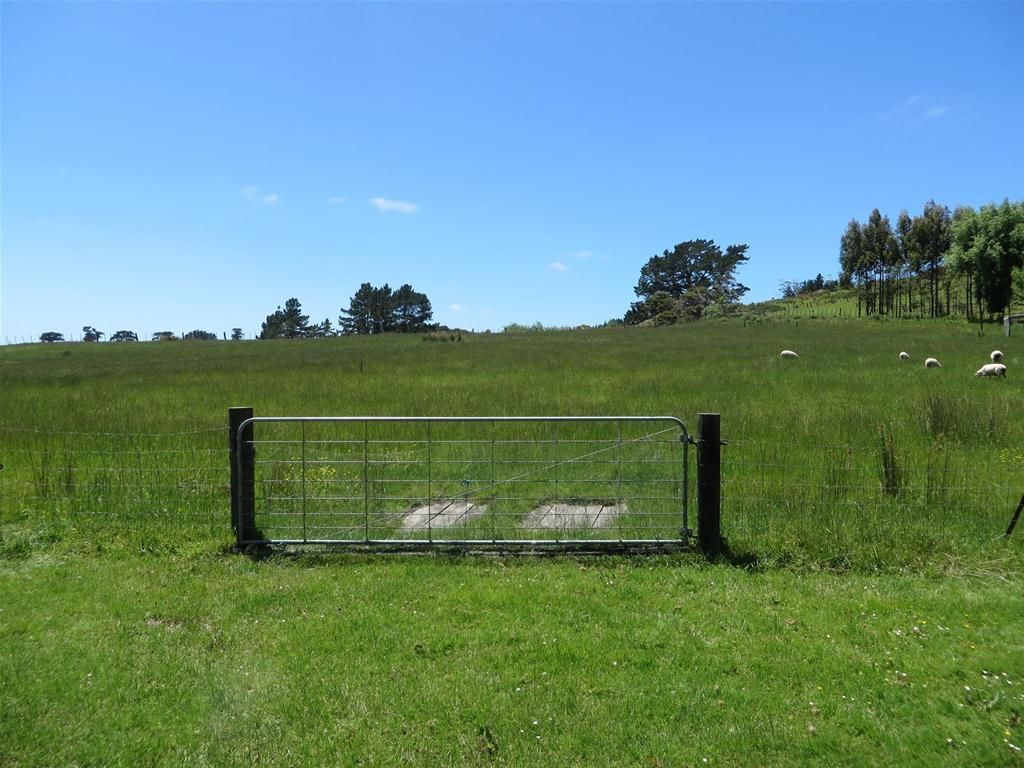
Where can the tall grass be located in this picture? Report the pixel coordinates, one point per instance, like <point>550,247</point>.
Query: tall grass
<point>128,437</point>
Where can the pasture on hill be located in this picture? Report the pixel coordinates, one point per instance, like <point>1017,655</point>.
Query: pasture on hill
<point>869,612</point>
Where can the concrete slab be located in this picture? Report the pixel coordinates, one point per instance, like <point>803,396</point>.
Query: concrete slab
<point>559,517</point>
<point>441,514</point>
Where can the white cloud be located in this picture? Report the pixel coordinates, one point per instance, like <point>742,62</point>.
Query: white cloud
<point>558,266</point>
<point>917,107</point>
<point>399,206</point>
<point>455,307</point>
<point>256,196</point>
<point>337,200</point>
<point>584,255</point>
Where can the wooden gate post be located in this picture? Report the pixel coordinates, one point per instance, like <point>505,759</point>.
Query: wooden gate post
<point>709,484</point>
<point>243,485</point>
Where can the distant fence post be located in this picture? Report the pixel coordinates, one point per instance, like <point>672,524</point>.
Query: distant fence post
<point>243,486</point>
<point>709,484</point>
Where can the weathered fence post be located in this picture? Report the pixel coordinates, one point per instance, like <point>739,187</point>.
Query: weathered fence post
<point>243,486</point>
<point>709,484</point>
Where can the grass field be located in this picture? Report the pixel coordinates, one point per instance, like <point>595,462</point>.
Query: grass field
<point>873,617</point>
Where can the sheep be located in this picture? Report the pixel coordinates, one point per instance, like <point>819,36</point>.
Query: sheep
<point>992,369</point>
<point>931,362</point>
<point>997,356</point>
<point>904,356</point>
<point>788,354</point>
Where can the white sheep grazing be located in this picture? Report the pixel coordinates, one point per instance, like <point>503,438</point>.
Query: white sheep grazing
<point>992,369</point>
<point>788,354</point>
<point>904,356</point>
<point>997,356</point>
<point>931,362</point>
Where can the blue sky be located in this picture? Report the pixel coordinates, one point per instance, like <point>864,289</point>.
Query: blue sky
<point>173,166</point>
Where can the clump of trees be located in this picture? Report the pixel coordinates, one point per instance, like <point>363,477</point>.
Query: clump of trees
<point>381,310</point>
<point>912,267</point>
<point>988,249</point>
<point>287,323</point>
<point>696,279</point>
<point>199,335</point>
<point>123,336</point>
<point>793,288</point>
<point>91,334</point>
<point>51,337</point>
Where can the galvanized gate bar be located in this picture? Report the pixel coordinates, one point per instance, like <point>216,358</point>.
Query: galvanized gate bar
<point>314,469</point>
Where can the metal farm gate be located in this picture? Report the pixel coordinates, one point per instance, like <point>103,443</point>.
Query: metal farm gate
<point>501,482</point>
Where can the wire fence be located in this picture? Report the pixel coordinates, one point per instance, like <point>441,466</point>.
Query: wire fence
<point>828,498</point>
<point>832,498</point>
<point>111,479</point>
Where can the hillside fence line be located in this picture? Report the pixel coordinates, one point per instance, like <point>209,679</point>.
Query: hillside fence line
<point>829,497</point>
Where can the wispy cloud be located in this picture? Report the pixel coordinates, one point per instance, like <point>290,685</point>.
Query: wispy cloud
<point>917,107</point>
<point>398,206</point>
<point>256,196</point>
<point>337,200</point>
<point>558,266</point>
<point>455,307</point>
<point>582,255</point>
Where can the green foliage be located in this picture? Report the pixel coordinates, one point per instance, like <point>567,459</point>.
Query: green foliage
<point>123,336</point>
<point>91,334</point>
<point>236,334</point>
<point>989,247</point>
<point>287,323</point>
<point>199,335</point>
<point>682,283</point>
<point>380,310</point>
<point>51,336</point>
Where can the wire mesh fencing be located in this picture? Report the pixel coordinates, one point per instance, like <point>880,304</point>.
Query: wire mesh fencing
<point>110,479</point>
<point>832,498</point>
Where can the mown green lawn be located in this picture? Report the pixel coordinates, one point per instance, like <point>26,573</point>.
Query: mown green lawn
<point>206,658</point>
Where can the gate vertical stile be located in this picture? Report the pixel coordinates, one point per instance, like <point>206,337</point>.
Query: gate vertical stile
<point>366,481</point>
<point>305,534</point>
<point>430,483</point>
<point>494,523</point>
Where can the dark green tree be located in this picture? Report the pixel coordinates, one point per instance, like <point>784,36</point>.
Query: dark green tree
<point>903,258</point>
<point>199,335</point>
<point>881,253</point>
<point>287,323</point>
<point>357,319</point>
<point>380,310</point>
<point>122,336</point>
<point>989,246</point>
<point>930,237</point>
<point>51,336</point>
<point>853,262</point>
<point>236,334</point>
<point>411,309</point>
<point>322,330</point>
<point>696,274</point>
<point>91,334</point>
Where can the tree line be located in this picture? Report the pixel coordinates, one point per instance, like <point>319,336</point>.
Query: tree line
<point>912,267</point>
<point>371,310</point>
